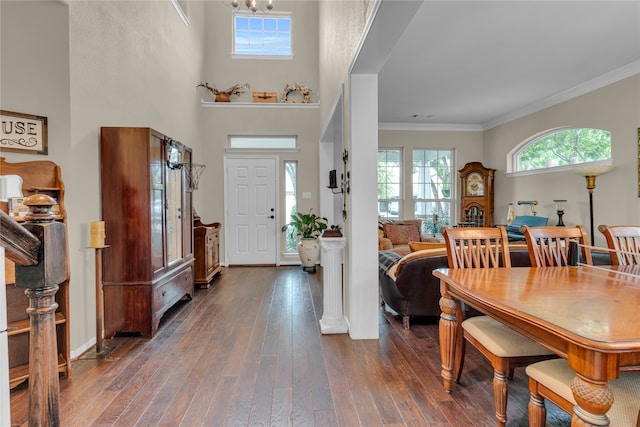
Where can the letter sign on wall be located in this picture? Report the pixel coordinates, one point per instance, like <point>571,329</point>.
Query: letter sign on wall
<point>23,133</point>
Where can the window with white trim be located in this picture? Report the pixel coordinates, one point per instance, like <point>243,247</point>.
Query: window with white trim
<point>390,183</point>
<point>291,198</point>
<point>562,147</point>
<point>262,35</point>
<point>433,198</point>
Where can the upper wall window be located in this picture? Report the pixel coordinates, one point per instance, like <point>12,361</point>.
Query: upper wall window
<point>262,35</point>
<point>562,147</point>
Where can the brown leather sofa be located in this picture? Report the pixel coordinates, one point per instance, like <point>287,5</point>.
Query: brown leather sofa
<point>416,291</point>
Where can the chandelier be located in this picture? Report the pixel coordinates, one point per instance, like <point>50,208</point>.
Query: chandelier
<point>252,5</point>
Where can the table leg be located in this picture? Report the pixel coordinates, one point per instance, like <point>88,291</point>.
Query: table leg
<point>448,330</point>
<point>593,398</point>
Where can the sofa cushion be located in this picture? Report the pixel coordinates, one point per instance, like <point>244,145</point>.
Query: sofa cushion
<point>401,234</point>
<point>418,246</point>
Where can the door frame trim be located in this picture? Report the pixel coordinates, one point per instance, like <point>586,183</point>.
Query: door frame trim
<point>225,191</point>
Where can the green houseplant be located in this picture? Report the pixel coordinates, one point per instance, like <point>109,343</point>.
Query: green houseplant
<point>308,227</point>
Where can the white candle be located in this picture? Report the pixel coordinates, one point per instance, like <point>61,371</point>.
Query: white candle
<point>97,234</point>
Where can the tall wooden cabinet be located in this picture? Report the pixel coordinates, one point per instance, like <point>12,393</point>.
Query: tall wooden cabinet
<point>147,210</point>
<point>476,201</point>
<point>45,177</point>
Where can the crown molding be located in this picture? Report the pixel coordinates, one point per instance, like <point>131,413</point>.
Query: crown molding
<point>599,82</point>
<point>430,127</point>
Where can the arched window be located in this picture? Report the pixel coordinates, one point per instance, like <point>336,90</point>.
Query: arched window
<point>562,147</point>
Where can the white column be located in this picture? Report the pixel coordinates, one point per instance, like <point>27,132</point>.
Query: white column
<point>333,321</point>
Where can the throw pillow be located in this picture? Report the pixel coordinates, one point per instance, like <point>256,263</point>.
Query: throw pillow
<point>418,246</point>
<point>401,234</point>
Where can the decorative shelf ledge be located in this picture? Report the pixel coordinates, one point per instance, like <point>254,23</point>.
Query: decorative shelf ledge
<point>211,104</point>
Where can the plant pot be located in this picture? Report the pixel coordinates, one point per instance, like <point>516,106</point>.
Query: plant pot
<point>309,251</point>
<point>222,97</point>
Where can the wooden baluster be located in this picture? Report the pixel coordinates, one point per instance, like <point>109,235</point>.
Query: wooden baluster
<point>41,283</point>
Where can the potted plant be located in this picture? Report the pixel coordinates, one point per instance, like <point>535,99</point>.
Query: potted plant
<point>224,95</point>
<point>308,227</point>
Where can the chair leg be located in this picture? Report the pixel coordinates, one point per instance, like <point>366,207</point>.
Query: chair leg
<point>458,363</point>
<point>500,395</point>
<point>537,411</point>
<point>405,322</point>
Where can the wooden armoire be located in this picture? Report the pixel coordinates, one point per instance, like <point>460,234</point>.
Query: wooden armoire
<point>147,210</point>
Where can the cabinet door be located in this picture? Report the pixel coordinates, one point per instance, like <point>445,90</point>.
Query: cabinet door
<point>187,207</point>
<point>174,215</point>
<point>156,169</point>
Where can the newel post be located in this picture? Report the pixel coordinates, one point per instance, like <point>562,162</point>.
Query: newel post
<point>41,282</point>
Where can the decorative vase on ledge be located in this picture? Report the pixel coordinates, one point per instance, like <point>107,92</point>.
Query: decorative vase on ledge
<point>222,97</point>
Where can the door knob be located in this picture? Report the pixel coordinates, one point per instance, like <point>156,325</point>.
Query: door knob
<point>271,217</point>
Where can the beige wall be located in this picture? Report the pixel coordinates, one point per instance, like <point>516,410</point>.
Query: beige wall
<point>615,108</point>
<point>342,24</point>
<point>262,75</point>
<point>90,64</point>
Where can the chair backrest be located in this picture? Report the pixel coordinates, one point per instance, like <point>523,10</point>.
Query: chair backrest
<point>624,242</point>
<point>549,246</point>
<point>482,247</point>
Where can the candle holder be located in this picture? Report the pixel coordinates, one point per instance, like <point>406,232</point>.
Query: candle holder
<point>560,211</point>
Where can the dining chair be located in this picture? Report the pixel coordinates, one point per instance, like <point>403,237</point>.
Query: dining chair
<point>506,349</point>
<point>549,246</point>
<point>551,380</point>
<point>624,243</point>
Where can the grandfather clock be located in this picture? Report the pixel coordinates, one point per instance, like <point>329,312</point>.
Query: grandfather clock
<point>476,202</point>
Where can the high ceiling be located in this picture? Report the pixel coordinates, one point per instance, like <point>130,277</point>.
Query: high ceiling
<point>475,64</point>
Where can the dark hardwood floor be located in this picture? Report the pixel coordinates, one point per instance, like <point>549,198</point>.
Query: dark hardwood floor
<point>248,352</point>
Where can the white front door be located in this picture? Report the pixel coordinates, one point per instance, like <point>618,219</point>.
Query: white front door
<point>251,200</point>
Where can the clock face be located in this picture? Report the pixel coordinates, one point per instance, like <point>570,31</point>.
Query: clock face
<point>475,184</point>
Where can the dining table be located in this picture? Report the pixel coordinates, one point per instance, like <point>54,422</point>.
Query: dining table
<point>586,314</point>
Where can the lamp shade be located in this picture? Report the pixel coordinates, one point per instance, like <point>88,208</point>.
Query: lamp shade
<point>592,170</point>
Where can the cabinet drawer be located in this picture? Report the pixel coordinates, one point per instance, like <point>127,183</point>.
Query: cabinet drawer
<point>168,293</point>
<point>211,238</point>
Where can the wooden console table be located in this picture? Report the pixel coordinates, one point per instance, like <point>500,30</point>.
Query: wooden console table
<point>206,246</point>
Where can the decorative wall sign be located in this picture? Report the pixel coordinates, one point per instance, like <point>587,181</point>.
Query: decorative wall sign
<point>23,133</point>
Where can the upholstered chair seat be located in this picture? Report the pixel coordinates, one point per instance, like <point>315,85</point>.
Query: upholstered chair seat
<point>552,380</point>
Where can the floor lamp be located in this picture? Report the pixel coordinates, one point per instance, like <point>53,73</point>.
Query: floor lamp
<point>590,172</point>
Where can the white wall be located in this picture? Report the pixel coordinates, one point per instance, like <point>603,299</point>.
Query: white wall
<point>616,108</point>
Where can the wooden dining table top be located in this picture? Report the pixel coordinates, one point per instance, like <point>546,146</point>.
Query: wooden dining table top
<point>587,315</point>
<point>597,307</point>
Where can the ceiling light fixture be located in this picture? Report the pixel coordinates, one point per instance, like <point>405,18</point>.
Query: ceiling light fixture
<point>252,5</point>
